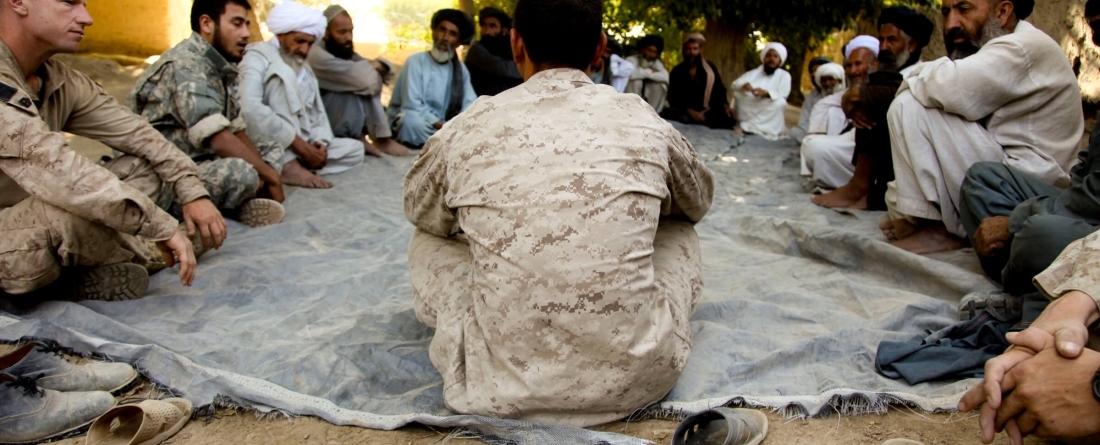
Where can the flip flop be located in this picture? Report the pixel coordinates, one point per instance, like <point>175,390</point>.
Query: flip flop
<point>722,426</point>
<point>149,422</point>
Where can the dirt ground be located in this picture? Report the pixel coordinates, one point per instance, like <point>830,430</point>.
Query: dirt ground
<point>231,427</point>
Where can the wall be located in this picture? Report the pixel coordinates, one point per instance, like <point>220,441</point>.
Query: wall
<point>136,28</point>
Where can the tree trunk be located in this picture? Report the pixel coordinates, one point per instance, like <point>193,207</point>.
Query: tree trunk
<point>726,48</point>
<point>467,6</point>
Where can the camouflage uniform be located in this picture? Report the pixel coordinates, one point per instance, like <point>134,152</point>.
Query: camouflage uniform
<point>555,252</point>
<point>57,208</point>
<point>189,95</point>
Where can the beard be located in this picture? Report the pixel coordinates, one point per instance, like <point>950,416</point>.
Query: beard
<point>770,70</point>
<point>991,29</point>
<point>341,50</point>
<point>500,46</point>
<point>442,53</point>
<point>220,46</point>
<point>836,88</point>
<point>295,61</point>
<point>890,62</point>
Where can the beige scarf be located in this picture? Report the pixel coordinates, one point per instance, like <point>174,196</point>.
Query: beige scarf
<point>710,83</point>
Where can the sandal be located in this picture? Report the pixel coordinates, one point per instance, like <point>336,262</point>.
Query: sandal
<point>722,426</point>
<point>149,422</point>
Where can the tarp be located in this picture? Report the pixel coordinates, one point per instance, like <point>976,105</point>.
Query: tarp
<point>314,316</point>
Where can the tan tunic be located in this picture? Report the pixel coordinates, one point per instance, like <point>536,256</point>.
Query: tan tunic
<point>567,297</point>
<point>35,159</point>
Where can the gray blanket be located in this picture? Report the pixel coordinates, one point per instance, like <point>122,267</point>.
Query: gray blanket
<point>314,316</point>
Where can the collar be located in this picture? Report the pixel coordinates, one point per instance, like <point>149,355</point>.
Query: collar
<point>212,55</point>
<point>53,78</point>
<point>561,75</point>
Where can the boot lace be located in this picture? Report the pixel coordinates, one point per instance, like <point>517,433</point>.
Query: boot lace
<point>29,385</point>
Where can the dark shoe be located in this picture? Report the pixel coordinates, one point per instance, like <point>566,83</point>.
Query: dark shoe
<point>29,415</point>
<point>51,371</point>
<point>116,282</point>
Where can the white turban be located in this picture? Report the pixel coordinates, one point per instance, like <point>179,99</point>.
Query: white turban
<point>833,70</point>
<point>778,47</point>
<point>293,17</point>
<point>868,42</point>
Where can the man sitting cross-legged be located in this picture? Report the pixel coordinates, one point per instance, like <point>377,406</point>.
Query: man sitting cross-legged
<point>649,78</point>
<point>555,252</point>
<point>1007,95</point>
<point>63,219</point>
<point>761,94</point>
<point>696,94</point>
<point>816,94</point>
<point>351,87</point>
<point>188,95</point>
<point>434,86</point>
<point>903,34</point>
<point>281,99</point>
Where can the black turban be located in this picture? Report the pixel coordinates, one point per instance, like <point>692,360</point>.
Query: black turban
<point>652,40</point>
<point>464,23</point>
<point>616,48</point>
<point>917,25</point>
<point>1023,8</point>
<point>819,61</point>
<point>491,12</point>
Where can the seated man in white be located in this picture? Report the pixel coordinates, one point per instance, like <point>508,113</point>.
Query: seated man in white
<point>761,95</point>
<point>281,99</point>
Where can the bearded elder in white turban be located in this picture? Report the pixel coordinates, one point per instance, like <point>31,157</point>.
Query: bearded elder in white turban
<point>281,100</point>
<point>761,95</point>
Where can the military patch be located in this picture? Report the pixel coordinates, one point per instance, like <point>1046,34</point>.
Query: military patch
<point>7,92</point>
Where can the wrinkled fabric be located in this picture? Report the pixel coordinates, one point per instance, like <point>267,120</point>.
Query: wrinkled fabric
<point>38,239</point>
<point>290,16</point>
<point>763,115</point>
<point>352,93</point>
<point>565,295</point>
<point>421,96</point>
<point>35,159</point>
<point>955,353</point>
<point>1076,269</point>
<point>827,160</point>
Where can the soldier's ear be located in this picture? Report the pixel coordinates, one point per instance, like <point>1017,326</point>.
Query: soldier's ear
<point>18,6</point>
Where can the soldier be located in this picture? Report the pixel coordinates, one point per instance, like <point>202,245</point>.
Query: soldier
<point>189,96</point>
<point>555,251</point>
<point>63,216</point>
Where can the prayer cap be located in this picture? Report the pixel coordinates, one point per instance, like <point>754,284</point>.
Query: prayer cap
<point>695,37</point>
<point>491,12</point>
<point>332,11</point>
<point>909,20</point>
<point>464,23</point>
<point>864,41</point>
<point>652,40</point>
<point>290,16</point>
<point>1023,8</point>
<point>778,47</point>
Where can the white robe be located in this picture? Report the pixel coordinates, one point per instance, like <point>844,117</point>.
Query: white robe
<point>277,102</point>
<point>1016,101</point>
<point>803,128</point>
<point>650,83</point>
<point>764,116</point>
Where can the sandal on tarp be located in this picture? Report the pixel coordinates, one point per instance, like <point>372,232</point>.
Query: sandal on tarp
<point>723,426</point>
<point>149,422</point>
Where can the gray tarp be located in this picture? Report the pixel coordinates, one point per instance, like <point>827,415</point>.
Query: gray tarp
<point>314,316</point>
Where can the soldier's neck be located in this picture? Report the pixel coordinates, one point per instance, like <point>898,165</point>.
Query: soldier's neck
<point>28,54</point>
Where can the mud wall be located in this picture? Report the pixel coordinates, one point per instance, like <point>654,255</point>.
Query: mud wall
<point>136,28</point>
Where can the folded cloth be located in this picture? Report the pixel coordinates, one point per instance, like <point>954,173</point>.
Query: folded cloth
<point>955,353</point>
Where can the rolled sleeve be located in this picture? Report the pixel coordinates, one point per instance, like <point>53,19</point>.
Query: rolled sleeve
<point>1076,269</point>
<point>237,125</point>
<point>207,127</point>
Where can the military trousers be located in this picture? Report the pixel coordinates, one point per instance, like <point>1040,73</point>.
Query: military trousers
<point>440,270</point>
<point>229,181</point>
<point>38,239</point>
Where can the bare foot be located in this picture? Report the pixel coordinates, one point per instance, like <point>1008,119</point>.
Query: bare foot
<point>847,197</point>
<point>930,239</point>
<point>373,150</point>
<point>295,174</point>
<point>896,229</point>
<point>392,147</point>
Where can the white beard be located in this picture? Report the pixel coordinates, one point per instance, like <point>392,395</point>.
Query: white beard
<point>440,56</point>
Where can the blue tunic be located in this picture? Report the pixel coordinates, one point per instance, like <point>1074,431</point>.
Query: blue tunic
<point>420,98</point>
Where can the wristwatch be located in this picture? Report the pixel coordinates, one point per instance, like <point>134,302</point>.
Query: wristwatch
<point>1096,385</point>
